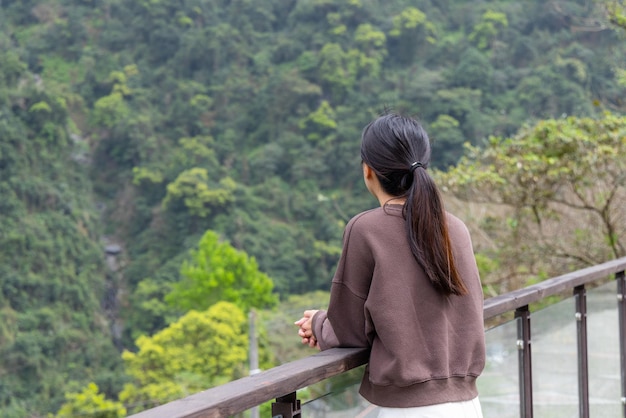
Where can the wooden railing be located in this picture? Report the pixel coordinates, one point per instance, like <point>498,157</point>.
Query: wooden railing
<point>282,382</point>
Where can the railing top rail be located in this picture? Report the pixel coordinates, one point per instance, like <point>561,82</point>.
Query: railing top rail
<point>242,394</point>
<point>510,301</point>
<point>248,392</point>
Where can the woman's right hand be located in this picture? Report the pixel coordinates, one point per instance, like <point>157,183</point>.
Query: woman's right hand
<point>306,332</point>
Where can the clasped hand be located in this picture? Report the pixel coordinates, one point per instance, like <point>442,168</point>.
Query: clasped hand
<point>305,330</point>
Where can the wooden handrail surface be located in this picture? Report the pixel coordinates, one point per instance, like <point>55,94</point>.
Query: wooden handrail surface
<point>510,301</point>
<point>245,393</point>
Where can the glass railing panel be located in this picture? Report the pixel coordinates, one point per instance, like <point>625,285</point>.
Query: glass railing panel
<point>603,347</point>
<point>337,397</point>
<point>555,360</point>
<point>498,386</point>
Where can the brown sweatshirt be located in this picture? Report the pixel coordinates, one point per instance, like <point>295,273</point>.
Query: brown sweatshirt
<point>425,348</point>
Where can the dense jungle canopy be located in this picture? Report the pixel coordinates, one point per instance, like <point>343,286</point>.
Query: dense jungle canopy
<point>140,138</point>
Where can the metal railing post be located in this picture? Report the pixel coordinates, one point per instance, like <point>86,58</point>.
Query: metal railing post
<point>522,314</point>
<point>621,310</point>
<point>287,406</point>
<point>580,296</point>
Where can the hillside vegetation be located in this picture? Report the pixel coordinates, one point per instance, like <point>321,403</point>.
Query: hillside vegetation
<point>138,126</point>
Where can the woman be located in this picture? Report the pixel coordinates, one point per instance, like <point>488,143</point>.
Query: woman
<point>406,286</point>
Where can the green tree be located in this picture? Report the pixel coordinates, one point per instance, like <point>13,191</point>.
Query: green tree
<point>487,29</point>
<point>200,350</point>
<point>560,187</point>
<point>335,71</point>
<point>320,123</point>
<point>90,403</point>
<point>411,30</point>
<point>446,136</point>
<point>218,272</point>
<point>199,197</point>
<point>110,110</point>
<point>617,13</point>
<point>473,71</point>
<point>617,16</point>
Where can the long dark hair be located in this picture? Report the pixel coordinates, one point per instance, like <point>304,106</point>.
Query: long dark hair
<point>397,149</point>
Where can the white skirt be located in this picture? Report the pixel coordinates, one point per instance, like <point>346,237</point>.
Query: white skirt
<point>465,409</point>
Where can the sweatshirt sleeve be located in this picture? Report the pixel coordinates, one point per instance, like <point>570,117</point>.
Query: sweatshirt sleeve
<point>323,331</point>
<point>345,324</point>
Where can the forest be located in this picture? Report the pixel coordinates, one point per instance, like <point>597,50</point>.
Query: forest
<point>170,167</point>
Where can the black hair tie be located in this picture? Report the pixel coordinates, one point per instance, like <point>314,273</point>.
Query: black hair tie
<point>415,165</point>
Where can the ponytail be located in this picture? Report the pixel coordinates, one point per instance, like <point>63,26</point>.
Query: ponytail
<point>428,234</point>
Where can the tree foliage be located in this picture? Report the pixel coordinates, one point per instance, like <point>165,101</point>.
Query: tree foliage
<point>563,186</point>
<point>218,272</point>
<point>91,403</point>
<point>145,124</point>
<point>53,279</point>
<point>200,350</point>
